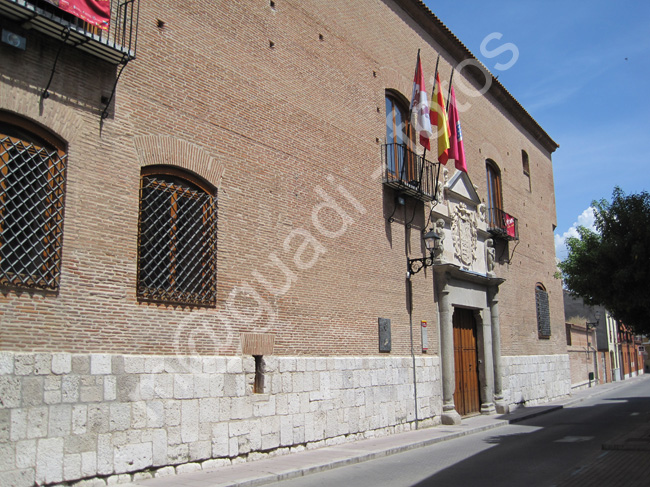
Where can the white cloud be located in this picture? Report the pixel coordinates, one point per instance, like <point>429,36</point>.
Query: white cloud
<point>586,219</point>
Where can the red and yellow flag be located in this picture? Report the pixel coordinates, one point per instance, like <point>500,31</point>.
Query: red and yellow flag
<point>439,118</point>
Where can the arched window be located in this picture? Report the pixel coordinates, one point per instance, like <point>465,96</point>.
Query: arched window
<point>543,312</point>
<point>177,244</point>
<point>525,163</point>
<point>32,191</point>
<point>494,200</point>
<point>400,140</point>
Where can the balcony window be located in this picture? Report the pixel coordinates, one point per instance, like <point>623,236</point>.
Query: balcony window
<point>405,170</point>
<point>500,223</point>
<point>495,202</point>
<point>106,29</point>
<point>399,139</point>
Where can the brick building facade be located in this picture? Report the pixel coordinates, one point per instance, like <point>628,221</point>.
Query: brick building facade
<point>214,260</point>
<point>585,360</point>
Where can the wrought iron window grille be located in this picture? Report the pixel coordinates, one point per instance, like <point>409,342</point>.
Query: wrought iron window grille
<point>177,244</point>
<point>543,313</point>
<point>32,189</point>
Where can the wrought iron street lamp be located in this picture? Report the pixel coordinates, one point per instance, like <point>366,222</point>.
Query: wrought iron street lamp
<point>591,325</point>
<point>431,242</point>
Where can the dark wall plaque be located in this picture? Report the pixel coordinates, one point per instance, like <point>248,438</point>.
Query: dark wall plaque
<point>384,335</point>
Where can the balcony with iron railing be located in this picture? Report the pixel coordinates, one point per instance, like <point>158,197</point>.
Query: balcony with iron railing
<point>115,41</point>
<point>408,172</point>
<point>502,225</point>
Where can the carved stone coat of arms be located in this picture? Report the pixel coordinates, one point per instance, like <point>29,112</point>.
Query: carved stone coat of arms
<point>463,232</point>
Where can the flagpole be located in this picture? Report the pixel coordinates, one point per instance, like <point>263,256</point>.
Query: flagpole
<point>449,91</point>
<point>435,189</point>
<point>434,74</point>
<point>417,62</point>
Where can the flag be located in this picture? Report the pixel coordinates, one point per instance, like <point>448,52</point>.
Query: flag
<point>95,12</point>
<point>456,151</point>
<point>510,225</point>
<point>420,107</point>
<point>439,118</point>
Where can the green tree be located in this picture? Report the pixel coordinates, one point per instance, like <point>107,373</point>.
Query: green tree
<point>611,267</point>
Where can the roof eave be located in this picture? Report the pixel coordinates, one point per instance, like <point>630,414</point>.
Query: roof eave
<point>450,43</point>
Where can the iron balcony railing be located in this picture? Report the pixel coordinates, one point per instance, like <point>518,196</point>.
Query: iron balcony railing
<point>502,225</point>
<point>408,172</point>
<point>116,44</point>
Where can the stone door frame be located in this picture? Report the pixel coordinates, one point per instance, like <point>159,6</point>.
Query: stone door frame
<point>457,287</point>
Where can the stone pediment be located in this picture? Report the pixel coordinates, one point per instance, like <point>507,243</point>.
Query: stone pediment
<point>460,219</point>
<point>462,188</point>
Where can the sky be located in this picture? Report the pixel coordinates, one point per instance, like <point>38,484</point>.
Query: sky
<point>582,70</point>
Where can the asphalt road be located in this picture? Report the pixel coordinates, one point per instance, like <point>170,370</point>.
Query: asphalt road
<point>542,451</point>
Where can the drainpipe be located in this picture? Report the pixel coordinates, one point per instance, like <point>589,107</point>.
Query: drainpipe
<point>409,290</point>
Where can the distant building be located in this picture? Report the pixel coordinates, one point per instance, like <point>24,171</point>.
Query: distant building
<point>619,351</point>
<point>583,356</point>
<point>598,350</point>
<point>631,350</point>
<point>645,343</point>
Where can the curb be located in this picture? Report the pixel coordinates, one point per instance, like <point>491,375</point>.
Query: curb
<point>301,472</point>
<point>346,454</point>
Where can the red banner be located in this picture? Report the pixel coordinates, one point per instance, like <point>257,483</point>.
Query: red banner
<point>510,225</point>
<point>95,12</point>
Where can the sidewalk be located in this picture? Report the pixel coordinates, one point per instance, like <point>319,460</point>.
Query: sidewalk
<point>261,472</point>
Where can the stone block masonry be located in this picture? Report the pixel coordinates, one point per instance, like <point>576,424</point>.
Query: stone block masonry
<point>535,379</point>
<point>67,418</point>
<point>97,386</point>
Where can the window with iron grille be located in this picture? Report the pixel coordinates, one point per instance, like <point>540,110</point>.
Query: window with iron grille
<point>32,190</point>
<point>543,313</point>
<point>177,249</point>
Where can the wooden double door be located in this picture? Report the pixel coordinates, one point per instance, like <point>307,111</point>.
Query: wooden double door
<point>466,396</point>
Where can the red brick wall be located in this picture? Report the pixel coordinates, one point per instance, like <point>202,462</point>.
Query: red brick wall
<point>582,354</point>
<point>282,129</point>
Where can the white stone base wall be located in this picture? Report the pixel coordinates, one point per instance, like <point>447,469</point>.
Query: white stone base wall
<point>66,417</point>
<point>535,379</point>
